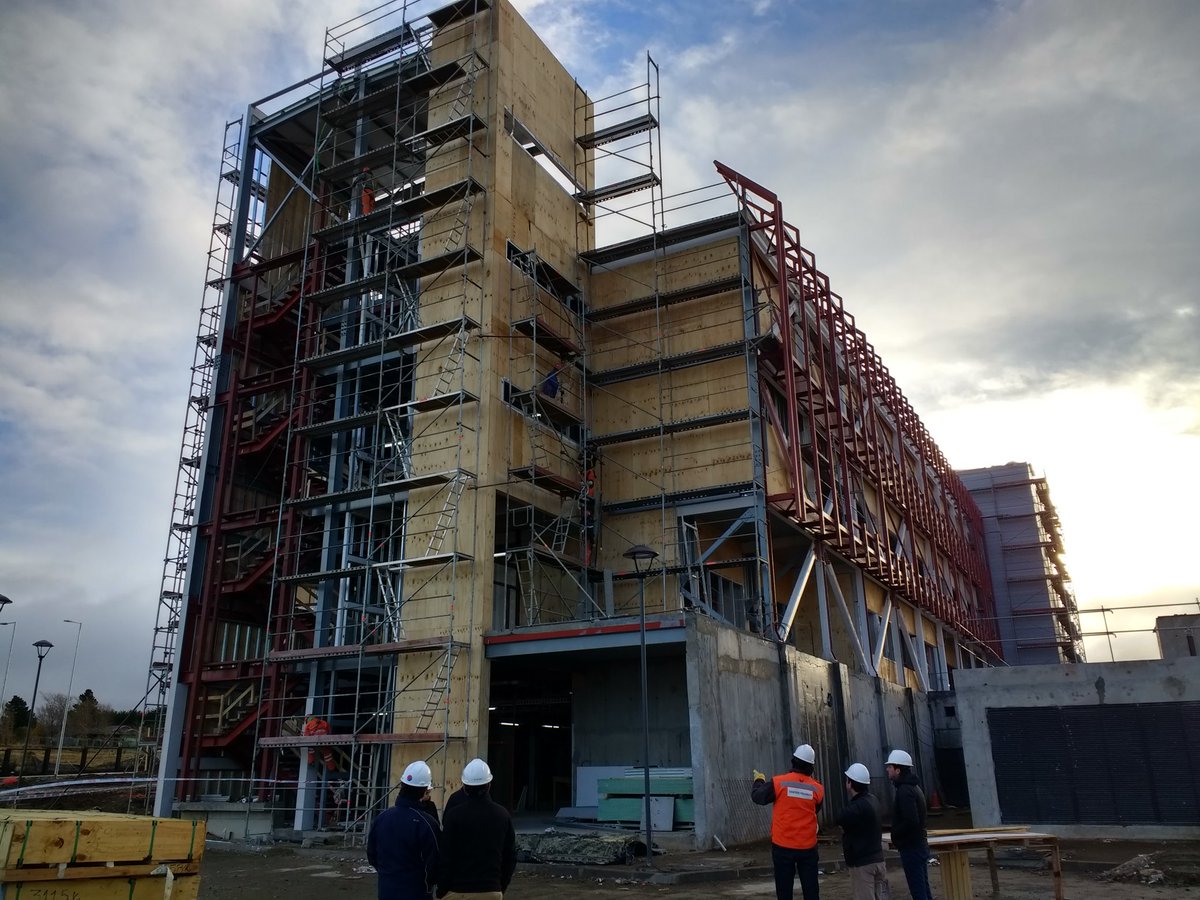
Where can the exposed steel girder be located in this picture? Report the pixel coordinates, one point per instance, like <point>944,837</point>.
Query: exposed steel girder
<point>845,442</point>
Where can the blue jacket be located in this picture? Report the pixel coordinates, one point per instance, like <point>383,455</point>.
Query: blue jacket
<point>403,847</point>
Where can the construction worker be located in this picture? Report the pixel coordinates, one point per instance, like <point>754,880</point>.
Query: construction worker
<point>479,852</point>
<point>797,797</point>
<point>366,186</point>
<point>862,838</point>
<point>909,836</point>
<point>403,843</point>
<point>315,726</point>
<point>587,510</point>
<point>551,385</point>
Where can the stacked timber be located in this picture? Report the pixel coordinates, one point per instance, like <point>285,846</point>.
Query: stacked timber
<point>69,855</point>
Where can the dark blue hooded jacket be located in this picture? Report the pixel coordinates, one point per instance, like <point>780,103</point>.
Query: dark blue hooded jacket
<point>403,847</point>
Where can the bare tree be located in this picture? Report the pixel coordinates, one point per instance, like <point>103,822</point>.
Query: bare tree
<point>50,714</point>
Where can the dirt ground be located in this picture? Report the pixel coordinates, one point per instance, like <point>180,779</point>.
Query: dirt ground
<point>230,872</point>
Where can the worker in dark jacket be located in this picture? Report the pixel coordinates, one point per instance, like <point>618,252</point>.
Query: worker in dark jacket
<point>909,836</point>
<point>862,838</point>
<point>479,845</point>
<point>797,798</point>
<point>403,842</point>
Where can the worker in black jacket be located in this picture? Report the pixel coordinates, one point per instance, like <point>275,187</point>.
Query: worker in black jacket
<point>909,836</point>
<point>862,838</point>
<point>402,844</point>
<point>479,845</point>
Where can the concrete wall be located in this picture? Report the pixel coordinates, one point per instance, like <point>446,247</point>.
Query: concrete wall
<point>737,725</point>
<point>607,709</point>
<point>736,707</point>
<point>1178,635</point>
<point>1082,684</point>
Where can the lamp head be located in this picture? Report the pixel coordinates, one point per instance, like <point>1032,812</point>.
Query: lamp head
<point>42,648</point>
<point>4,601</point>
<point>641,555</point>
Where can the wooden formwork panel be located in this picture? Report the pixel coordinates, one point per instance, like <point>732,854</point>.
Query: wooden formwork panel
<point>678,270</point>
<point>55,855</point>
<point>52,837</point>
<point>678,395</point>
<point>644,337</point>
<point>148,887</point>
<point>689,461</point>
<point>540,92</point>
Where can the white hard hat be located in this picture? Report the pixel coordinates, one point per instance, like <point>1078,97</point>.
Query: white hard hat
<point>805,753</point>
<point>899,758</point>
<point>418,775</point>
<point>858,773</point>
<point>476,772</point>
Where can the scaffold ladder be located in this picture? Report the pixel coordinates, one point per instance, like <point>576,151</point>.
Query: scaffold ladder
<point>466,91</point>
<point>452,364</point>
<point>448,516</point>
<point>528,590</point>
<point>187,474</point>
<point>437,692</point>
<point>691,559</point>
<point>457,239</point>
<point>541,456</point>
<point>391,603</point>
<point>401,446</point>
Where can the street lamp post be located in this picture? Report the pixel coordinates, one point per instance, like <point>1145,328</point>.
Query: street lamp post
<point>42,648</point>
<point>641,555</point>
<point>62,732</point>
<point>4,601</point>
<point>7,660</point>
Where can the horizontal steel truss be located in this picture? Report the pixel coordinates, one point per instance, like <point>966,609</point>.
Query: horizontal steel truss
<point>861,431</point>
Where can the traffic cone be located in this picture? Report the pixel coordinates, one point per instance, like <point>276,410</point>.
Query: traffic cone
<point>935,802</point>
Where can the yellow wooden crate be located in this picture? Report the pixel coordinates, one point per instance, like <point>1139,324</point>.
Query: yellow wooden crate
<point>146,888</point>
<point>61,855</point>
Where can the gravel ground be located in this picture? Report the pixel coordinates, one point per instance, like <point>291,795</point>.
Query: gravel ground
<point>231,873</point>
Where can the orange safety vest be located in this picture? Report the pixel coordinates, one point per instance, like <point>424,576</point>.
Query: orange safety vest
<point>315,726</point>
<point>794,822</point>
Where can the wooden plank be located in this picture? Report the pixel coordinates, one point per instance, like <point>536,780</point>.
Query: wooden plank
<point>956,875</point>
<point>155,888</point>
<point>619,809</point>
<point>49,837</point>
<point>637,785</point>
<point>97,870</point>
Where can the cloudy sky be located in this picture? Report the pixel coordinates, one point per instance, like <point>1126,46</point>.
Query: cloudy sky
<point>1005,194</point>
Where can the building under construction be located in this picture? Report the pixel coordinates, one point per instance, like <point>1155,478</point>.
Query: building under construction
<point>1037,619</point>
<point>431,414</point>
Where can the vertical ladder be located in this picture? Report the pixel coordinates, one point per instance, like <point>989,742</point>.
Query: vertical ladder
<point>187,475</point>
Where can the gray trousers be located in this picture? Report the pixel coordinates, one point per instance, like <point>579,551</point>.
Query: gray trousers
<point>870,882</point>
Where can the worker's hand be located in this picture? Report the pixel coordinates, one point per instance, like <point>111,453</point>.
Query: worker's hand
<point>759,776</point>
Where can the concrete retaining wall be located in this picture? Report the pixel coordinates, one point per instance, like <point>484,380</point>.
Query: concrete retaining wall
<point>743,715</point>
